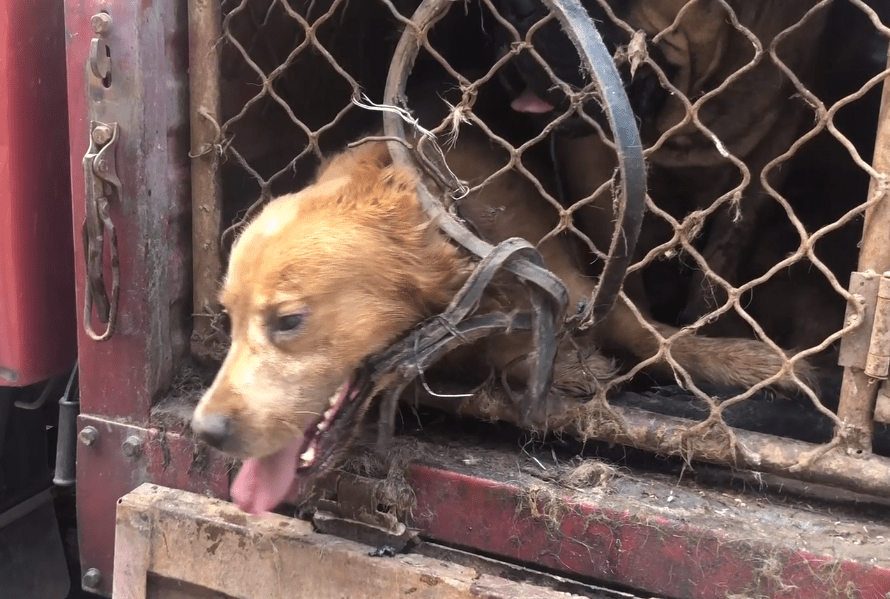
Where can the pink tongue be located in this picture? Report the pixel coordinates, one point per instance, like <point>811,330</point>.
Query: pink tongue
<point>528,101</point>
<point>263,483</point>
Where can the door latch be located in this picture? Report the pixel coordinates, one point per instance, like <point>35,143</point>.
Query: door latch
<point>102,183</point>
<point>346,506</point>
<point>867,345</point>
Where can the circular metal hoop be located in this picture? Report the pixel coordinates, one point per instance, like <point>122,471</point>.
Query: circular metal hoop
<point>599,64</point>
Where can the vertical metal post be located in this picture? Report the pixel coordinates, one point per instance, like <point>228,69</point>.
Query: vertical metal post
<point>859,391</point>
<point>205,21</point>
<point>66,443</point>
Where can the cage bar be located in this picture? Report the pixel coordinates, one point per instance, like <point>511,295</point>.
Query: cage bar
<point>859,391</point>
<point>204,57</point>
<point>669,435</point>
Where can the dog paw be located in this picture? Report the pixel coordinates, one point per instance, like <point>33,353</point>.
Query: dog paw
<point>581,374</point>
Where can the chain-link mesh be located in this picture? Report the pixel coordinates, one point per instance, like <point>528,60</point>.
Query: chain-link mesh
<point>758,121</point>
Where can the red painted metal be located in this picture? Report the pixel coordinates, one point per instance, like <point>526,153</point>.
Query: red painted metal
<point>37,335</point>
<point>105,474</point>
<point>119,378</point>
<point>148,98</point>
<point>655,553</point>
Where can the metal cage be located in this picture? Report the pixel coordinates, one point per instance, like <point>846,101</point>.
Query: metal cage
<point>800,117</point>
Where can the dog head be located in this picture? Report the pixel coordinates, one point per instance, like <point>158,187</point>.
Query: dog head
<point>318,282</point>
<point>535,92</point>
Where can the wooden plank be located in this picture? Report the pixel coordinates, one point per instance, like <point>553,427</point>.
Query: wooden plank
<point>173,544</point>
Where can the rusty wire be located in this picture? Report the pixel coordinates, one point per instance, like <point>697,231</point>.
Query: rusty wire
<point>688,131</point>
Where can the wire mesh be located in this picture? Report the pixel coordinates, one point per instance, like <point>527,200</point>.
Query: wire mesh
<point>758,121</point>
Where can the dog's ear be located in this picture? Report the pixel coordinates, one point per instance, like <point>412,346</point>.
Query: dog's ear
<point>372,155</point>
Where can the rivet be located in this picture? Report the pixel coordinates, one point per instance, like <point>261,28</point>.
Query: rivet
<point>102,134</point>
<point>101,23</point>
<point>92,578</point>
<point>132,446</point>
<point>88,435</point>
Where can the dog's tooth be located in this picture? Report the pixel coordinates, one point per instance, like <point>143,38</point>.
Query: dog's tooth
<point>333,401</point>
<point>308,455</point>
<point>326,420</point>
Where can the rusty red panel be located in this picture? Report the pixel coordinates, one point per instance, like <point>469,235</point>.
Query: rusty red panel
<point>119,459</point>
<point>654,553</point>
<point>37,335</point>
<point>147,97</point>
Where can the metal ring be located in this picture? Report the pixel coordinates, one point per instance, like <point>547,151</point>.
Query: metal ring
<point>599,63</point>
<point>581,30</point>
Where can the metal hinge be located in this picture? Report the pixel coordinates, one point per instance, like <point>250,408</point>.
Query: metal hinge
<point>867,346</point>
<point>100,173</point>
<point>347,506</point>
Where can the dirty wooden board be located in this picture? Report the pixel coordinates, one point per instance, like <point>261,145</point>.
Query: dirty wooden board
<point>173,544</point>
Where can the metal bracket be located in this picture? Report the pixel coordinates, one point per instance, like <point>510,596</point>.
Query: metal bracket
<point>867,347</point>
<point>100,55</point>
<point>877,363</point>
<point>102,182</point>
<point>347,506</point>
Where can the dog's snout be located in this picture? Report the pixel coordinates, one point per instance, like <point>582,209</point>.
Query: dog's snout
<point>215,430</point>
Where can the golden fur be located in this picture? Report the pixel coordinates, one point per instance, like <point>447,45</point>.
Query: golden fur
<point>355,254</point>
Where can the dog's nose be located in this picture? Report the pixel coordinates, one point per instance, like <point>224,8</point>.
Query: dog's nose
<point>214,429</point>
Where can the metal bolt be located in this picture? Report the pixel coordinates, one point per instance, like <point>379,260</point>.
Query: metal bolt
<point>132,446</point>
<point>91,578</point>
<point>88,435</point>
<point>101,23</point>
<point>102,134</point>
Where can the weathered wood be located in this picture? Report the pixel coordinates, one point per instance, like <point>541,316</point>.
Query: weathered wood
<point>171,544</point>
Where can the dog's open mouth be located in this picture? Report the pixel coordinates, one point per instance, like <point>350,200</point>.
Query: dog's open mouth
<point>264,483</point>
<point>530,102</point>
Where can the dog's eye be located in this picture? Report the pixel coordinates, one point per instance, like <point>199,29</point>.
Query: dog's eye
<point>287,323</point>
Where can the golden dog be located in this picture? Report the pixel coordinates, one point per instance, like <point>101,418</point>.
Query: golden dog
<point>324,278</point>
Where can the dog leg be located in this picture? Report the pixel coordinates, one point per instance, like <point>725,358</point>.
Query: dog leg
<point>729,362</point>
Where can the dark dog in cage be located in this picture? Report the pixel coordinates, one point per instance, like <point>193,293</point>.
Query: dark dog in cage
<point>671,54</point>
<point>325,278</point>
